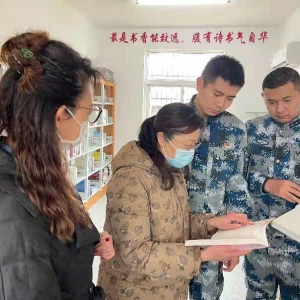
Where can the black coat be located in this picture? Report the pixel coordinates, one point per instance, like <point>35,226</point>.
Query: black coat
<point>34,265</point>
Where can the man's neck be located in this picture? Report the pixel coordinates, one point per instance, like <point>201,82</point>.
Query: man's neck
<point>197,106</point>
<point>289,123</point>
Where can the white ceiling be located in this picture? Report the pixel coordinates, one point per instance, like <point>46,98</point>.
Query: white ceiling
<point>125,13</point>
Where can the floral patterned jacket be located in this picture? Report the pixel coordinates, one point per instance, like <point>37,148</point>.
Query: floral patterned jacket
<point>149,225</point>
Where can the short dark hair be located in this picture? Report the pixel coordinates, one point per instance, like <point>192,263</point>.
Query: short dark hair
<point>280,77</point>
<point>225,67</point>
<point>171,119</point>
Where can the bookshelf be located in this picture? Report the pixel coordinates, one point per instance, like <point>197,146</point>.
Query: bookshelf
<point>90,162</point>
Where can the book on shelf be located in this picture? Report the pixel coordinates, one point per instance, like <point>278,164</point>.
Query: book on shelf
<point>73,173</point>
<point>89,161</point>
<point>105,116</point>
<point>247,237</point>
<point>78,150</point>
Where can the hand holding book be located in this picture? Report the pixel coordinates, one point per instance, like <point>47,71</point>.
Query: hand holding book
<point>243,238</point>
<point>222,252</point>
<point>227,244</point>
<point>228,222</point>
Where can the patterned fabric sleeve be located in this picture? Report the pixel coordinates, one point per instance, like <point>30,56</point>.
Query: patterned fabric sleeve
<point>198,226</point>
<point>237,196</point>
<point>255,179</point>
<point>130,217</point>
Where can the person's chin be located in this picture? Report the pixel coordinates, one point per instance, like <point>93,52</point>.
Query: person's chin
<point>283,119</point>
<point>212,113</point>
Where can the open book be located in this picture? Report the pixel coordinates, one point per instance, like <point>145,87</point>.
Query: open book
<point>248,237</point>
<point>289,224</point>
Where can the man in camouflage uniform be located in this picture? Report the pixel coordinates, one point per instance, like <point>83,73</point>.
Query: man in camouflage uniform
<point>274,179</point>
<point>217,184</point>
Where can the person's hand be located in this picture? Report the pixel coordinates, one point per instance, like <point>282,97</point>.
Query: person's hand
<point>228,222</point>
<point>284,189</point>
<point>229,265</point>
<point>105,248</point>
<point>222,253</point>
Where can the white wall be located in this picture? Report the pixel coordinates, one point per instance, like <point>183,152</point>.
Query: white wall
<point>55,17</point>
<point>127,61</point>
<point>290,30</point>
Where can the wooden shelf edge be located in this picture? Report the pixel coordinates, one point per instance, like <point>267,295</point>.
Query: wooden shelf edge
<point>95,198</point>
<point>107,83</point>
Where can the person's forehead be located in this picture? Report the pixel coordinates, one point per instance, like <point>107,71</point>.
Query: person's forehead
<point>187,137</point>
<point>282,91</point>
<point>223,86</point>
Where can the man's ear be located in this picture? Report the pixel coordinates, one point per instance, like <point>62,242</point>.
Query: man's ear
<point>200,84</point>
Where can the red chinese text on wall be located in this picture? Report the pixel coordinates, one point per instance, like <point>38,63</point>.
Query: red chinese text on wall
<point>208,37</point>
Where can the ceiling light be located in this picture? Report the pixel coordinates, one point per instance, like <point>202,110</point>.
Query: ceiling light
<point>181,2</point>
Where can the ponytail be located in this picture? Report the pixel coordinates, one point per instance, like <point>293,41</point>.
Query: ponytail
<point>147,136</point>
<point>148,142</point>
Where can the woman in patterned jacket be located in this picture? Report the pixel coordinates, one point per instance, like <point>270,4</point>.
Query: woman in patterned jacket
<point>148,213</point>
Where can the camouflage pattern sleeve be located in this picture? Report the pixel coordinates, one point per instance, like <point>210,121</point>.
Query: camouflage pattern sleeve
<point>142,250</point>
<point>256,182</point>
<point>247,159</point>
<point>237,197</point>
<point>255,179</point>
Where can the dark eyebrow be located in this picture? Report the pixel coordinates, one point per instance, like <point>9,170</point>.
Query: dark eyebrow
<point>272,100</point>
<point>221,93</point>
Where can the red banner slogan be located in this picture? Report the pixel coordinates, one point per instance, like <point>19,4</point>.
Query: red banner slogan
<point>196,38</point>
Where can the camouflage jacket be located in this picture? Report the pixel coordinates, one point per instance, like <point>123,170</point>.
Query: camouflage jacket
<point>274,153</point>
<point>217,184</point>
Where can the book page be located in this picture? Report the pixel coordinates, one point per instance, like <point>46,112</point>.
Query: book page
<point>246,237</point>
<point>252,232</point>
<point>288,224</point>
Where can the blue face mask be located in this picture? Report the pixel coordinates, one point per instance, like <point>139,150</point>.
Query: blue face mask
<point>182,157</point>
